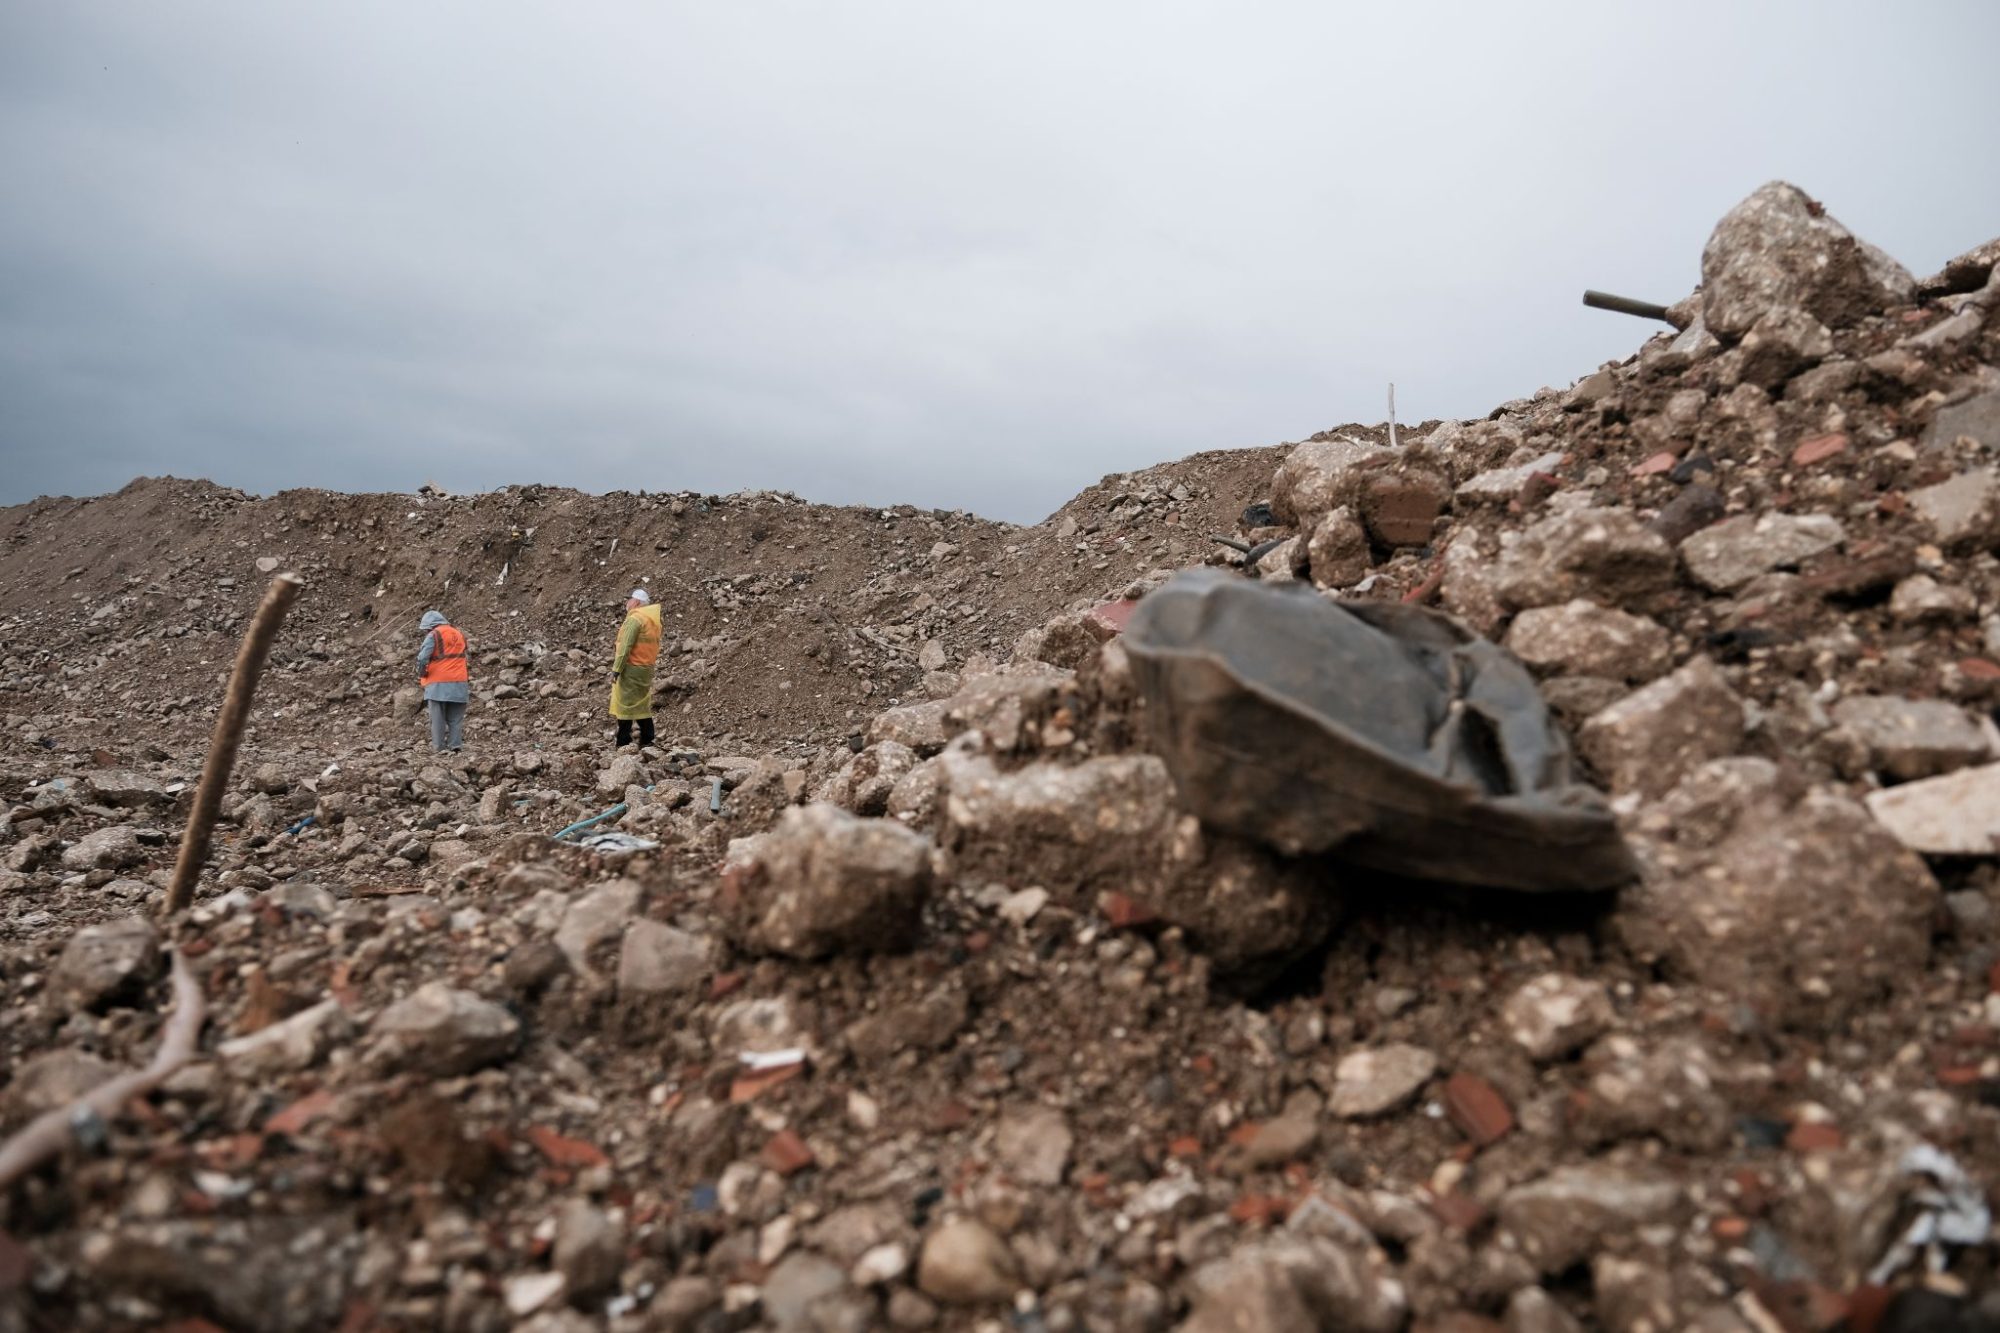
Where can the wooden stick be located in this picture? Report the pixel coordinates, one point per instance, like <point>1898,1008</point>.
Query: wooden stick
<point>278,599</point>
<point>52,1131</point>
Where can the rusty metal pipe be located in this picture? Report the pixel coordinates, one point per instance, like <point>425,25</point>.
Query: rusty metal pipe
<point>1625,305</point>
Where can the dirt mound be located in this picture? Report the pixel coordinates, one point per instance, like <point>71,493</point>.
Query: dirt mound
<point>912,993</point>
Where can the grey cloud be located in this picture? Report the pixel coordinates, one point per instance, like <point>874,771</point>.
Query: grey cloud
<point>957,256</point>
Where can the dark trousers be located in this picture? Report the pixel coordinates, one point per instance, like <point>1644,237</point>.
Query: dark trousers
<point>645,731</point>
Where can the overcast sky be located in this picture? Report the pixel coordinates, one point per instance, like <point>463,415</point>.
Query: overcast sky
<point>952,254</point>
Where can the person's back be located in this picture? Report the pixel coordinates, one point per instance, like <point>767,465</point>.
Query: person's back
<point>443,671</point>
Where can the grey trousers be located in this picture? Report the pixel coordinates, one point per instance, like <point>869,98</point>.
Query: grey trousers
<point>447,725</point>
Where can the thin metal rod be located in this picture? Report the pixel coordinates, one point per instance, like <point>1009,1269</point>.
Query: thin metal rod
<point>49,1133</point>
<point>1625,305</point>
<point>278,599</point>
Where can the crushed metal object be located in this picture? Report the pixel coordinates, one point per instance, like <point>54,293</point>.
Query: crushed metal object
<point>1382,733</point>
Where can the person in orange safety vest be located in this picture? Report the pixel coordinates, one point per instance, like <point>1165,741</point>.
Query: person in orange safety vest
<point>446,681</point>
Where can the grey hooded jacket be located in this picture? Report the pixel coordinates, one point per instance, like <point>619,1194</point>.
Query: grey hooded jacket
<point>444,691</point>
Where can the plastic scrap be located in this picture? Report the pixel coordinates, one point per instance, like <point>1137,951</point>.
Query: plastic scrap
<point>582,824</point>
<point>758,1061</point>
<point>612,841</point>
<point>1954,1212</point>
<point>1382,733</point>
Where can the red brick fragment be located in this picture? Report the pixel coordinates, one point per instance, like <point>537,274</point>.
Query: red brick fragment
<point>17,1262</point>
<point>1477,1108</point>
<point>725,983</point>
<point>567,1152</point>
<point>1259,1210</point>
<point>1654,466</point>
<point>1819,448</point>
<point>1458,1211</point>
<point>1978,668</point>
<point>951,1115</point>
<point>301,1113</point>
<point>1401,509</point>
<point>1185,1146</point>
<point>1124,911</point>
<point>1107,620</point>
<point>786,1153</point>
<point>753,1085</point>
<point>1814,1136</point>
<point>1866,1305</point>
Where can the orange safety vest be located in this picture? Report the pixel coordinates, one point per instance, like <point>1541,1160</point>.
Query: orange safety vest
<point>646,648</point>
<point>448,662</point>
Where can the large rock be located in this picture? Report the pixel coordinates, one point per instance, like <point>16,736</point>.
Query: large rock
<point>123,787</point>
<point>1958,815</point>
<point>1338,550</point>
<point>597,919</point>
<point>106,963</point>
<point>1913,738</point>
<point>115,848</point>
<point>623,772</point>
<point>288,1045</point>
<point>1581,638</point>
<point>1977,417</point>
<point>656,959</point>
<point>1554,1015</point>
<point>1566,1215</point>
<point>281,1274</point>
<point>1322,475</point>
<point>825,881</point>
<point>1724,557</point>
<point>1112,824</point>
<point>1032,1144</point>
<point>55,1079</point>
<point>1401,507</point>
<point>1779,345</point>
<point>445,1032</point>
<point>1379,1079</point>
<point>1671,1091</point>
<point>1805,911</point>
<point>1070,828</point>
<point>800,1279</point>
<point>1000,704</point>
<point>1779,250</point>
<point>1655,735</point>
<point>1963,512</point>
<point>1296,1284</point>
<point>589,1249</point>
<point>964,1263</point>
<point>864,782</point>
<point>1499,485</point>
<point>1606,555</point>
<point>1249,909</point>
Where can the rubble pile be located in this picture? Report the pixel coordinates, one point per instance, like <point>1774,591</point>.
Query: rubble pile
<point>936,976</point>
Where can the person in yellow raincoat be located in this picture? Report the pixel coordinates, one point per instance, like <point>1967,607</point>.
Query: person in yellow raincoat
<point>632,668</point>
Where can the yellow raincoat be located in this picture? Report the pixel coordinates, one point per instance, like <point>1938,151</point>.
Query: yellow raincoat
<point>638,650</point>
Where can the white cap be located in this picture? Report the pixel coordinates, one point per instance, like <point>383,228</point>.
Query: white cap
<point>639,596</point>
